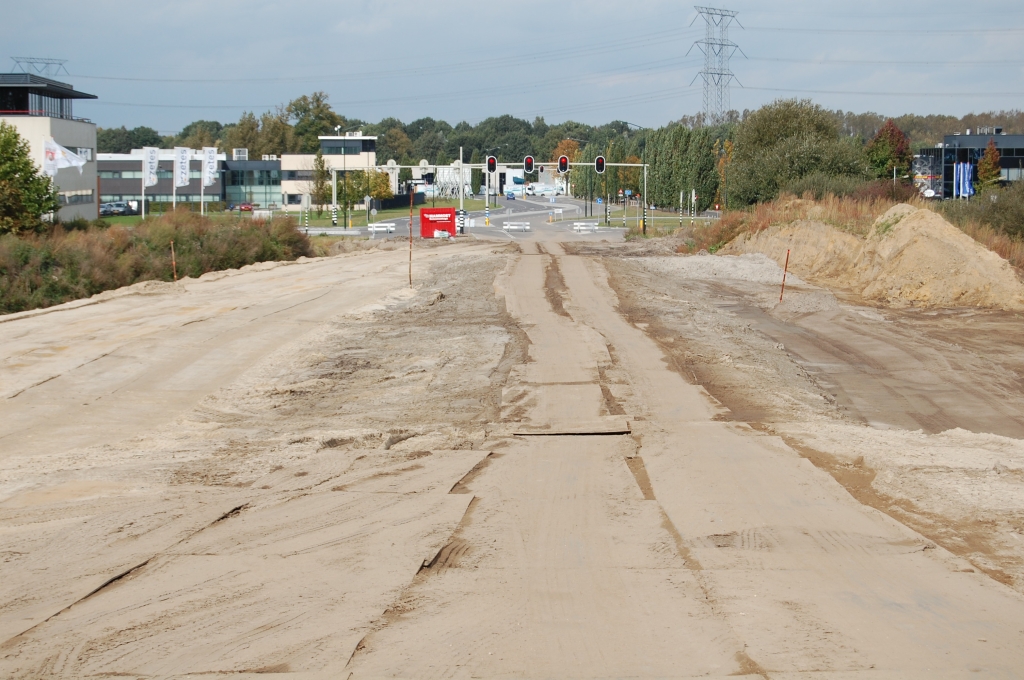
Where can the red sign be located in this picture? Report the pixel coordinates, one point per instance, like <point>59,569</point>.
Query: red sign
<point>437,219</point>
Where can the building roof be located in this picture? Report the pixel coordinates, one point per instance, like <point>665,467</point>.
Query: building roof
<point>50,88</point>
<point>980,141</point>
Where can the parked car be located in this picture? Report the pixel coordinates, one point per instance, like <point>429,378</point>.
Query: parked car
<point>510,196</point>
<point>120,208</point>
<point>106,210</point>
<point>245,207</point>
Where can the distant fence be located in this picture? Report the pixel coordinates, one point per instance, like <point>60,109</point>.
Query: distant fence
<point>400,201</point>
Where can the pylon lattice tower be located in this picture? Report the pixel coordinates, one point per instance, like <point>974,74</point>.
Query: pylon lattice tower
<point>717,49</point>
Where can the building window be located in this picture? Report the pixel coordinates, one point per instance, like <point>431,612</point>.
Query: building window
<point>348,147</point>
<point>84,152</point>
<point>293,199</point>
<point>298,175</point>
<point>77,197</point>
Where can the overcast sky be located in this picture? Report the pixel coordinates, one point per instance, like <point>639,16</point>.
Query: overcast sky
<point>166,64</point>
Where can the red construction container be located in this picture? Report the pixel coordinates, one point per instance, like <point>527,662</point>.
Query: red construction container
<point>437,219</point>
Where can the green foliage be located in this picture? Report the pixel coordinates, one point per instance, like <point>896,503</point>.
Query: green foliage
<point>989,172</point>
<point>321,192</point>
<point>476,176</point>
<point>889,150</point>
<point>785,141</point>
<point>48,269</point>
<point>927,131</point>
<point>819,184</point>
<point>25,193</point>
<point>1001,209</point>
<point>122,140</point>
<point>313,117</point>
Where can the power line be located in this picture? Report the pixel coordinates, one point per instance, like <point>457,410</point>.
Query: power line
<point>542,56</point>
<point>903,32</point>
<point>890,61</point>
<point>944,93</point>
<point>447,95</point>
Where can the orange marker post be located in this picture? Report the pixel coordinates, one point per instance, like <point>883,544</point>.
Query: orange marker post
<point>784,271</point>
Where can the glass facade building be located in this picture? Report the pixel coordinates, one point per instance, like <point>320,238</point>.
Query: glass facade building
<point>255,182</point>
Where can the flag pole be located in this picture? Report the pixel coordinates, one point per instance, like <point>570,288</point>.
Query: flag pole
<point>142,203</point>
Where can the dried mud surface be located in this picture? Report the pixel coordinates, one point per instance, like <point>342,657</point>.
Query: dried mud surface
<point>917,413</point>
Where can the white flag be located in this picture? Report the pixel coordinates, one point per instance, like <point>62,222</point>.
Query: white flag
<point>182,156</point>
<point>150,163</point>
<point>56,157</point>
<point>209,166</point>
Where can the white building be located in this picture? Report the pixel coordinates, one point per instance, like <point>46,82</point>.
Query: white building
<point>41,109</point>
<point>344,154</point>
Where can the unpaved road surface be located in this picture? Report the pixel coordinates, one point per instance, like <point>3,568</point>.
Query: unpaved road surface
<point>541,461</point>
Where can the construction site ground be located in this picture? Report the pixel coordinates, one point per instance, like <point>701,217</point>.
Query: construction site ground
<point>556,455</point>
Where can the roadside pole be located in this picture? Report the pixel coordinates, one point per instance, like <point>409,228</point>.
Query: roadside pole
<point>142,203</point>
<point>680,209</point>
<point>645,199</point>
<point>334,197</point>
<point>411,194</point>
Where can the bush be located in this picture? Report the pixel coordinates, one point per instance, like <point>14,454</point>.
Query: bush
<point>48,269</point>
<point>1001,210</point>
<point>787,141</point>
<point>818,185</point>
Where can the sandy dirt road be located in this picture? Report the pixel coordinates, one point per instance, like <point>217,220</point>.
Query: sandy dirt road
<point>502,473</point>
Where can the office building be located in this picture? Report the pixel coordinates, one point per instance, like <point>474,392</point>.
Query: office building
<point>40,109</point>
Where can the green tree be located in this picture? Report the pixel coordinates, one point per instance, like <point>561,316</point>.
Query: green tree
<point>989,172</point>
<point>276,135</point>
<point>321,189</point>
<point>889,150</point>
<point>788,140</point>
<point>476,175</point>
<point>243,135</point>
<point>123,140</point>
<point>25,193</point>
<point>393,144</point>
<point>314,117</point>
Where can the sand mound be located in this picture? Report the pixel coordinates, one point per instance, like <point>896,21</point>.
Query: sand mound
<point>911,257</point>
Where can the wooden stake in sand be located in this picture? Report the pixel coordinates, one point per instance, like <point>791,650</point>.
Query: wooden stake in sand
<point>174,264</point>
<point>784,270</point>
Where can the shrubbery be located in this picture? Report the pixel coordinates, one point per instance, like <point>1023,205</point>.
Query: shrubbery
<point>79,260</point>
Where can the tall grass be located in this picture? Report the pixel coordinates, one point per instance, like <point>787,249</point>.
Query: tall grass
<point>48,269</point>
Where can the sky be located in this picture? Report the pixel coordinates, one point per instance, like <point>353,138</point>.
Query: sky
<point>169,63</point>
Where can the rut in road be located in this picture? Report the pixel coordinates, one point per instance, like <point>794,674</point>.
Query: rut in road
<point>567,560</point>
<point>722,552</point>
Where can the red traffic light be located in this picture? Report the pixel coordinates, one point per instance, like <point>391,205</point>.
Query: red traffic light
<point>492,164</point>
<point>563,164</point>
<point>599,165</point>
<point>528,164</point>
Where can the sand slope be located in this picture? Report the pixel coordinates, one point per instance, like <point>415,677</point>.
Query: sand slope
<point>911,257</point>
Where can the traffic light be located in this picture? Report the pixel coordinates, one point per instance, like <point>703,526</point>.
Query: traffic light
<point>599,165</point>
<point>528,164</point>
<point>492,164</point>
<point>563,164</point>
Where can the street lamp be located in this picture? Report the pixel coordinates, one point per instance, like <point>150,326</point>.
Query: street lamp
<point>344,167</point>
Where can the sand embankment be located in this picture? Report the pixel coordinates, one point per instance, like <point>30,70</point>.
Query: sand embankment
<point>911,256</point>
